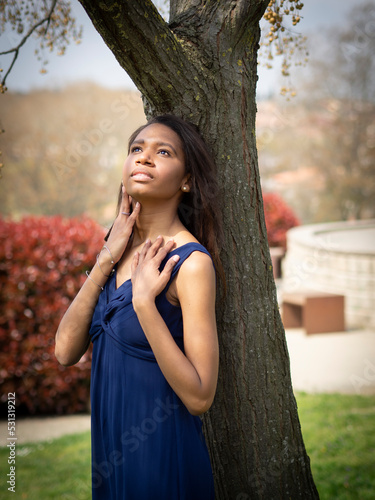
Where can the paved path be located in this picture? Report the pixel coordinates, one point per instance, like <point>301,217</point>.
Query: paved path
<point>33,429</point>
<point>331,362</point>
<point>341,362</point>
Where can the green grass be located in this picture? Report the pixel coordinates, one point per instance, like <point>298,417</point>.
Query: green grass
<point>338,430</point>
<point>339,435</point>
<point>56,470</point>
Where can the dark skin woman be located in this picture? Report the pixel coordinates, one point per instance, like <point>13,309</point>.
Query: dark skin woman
<point>151,297</point>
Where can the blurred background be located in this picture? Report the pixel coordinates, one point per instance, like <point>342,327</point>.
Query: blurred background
<point>66,121</point>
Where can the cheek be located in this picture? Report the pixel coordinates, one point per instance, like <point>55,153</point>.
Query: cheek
<point>127,185</point>
<point>126,169</point>
<point>176,174</point>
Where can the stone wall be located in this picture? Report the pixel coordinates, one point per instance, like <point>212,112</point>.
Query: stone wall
<point>336,258</point>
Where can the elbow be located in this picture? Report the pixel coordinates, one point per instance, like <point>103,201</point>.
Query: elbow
<point>199,406</point>
<point>64,360</point>
<point>64,357</point>
<point>68,353</point>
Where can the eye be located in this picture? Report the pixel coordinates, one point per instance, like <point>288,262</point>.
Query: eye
<point>135,149</point>
<point>164,152</point>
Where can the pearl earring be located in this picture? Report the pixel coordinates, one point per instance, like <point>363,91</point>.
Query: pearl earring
<point>184,188</point>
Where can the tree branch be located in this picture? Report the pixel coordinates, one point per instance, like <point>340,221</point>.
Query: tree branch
<point>25,38</point>
<point>232,16</point>
<point>140,39</point>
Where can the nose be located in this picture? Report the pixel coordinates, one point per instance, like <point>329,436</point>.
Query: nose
<point>144,157</point>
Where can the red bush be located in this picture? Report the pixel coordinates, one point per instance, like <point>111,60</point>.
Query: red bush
<point>279,218</point>
<point>42,265</point>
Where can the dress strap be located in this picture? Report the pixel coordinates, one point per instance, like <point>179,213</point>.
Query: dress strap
<point>184,251</point>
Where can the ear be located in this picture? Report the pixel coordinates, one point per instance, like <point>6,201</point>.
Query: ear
<point>186,184</point>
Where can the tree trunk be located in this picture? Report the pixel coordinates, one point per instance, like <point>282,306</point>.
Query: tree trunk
<point>203,66</point>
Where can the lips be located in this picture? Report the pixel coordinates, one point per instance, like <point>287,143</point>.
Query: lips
<point>141,174</point>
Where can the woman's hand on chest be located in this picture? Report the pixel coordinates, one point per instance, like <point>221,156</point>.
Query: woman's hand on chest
<point>147,280</point>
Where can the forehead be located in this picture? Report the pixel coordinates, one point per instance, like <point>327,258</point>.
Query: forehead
<point>161,134</point>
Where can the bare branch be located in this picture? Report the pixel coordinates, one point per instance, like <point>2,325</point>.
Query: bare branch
<point>25,38</point>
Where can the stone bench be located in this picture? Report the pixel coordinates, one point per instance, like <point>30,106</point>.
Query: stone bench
<point>316,312</point>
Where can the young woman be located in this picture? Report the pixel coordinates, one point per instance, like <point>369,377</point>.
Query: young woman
<point>148,306</point>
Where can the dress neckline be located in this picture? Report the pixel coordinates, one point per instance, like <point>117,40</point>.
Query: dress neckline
<point>166,257</point>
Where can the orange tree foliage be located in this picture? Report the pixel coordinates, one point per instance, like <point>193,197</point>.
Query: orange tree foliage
<point>279,218</point>
<point>42,265</point>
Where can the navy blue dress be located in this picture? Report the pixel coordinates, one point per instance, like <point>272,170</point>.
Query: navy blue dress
<point>145,443</point>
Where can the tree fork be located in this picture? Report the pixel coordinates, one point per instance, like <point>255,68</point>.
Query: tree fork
<point>203,67</point>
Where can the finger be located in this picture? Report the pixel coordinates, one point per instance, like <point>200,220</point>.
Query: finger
<point>155,247</point>
<point>169,245</point>
<point>168,268</point>
<point>135,212</point>
<point>125,204</point>
<point>130,221</point>
<point>134,263</point>
<point>144,250</point>
<point>162,252</point>
<point>133,217</point>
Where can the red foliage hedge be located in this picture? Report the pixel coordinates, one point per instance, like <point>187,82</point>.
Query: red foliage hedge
<point>279,218</point>
<point>42,265</point>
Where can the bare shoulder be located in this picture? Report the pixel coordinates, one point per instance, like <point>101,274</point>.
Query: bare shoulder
<point>196,273</point>
<point>198,263</point>
<point>184,236</point>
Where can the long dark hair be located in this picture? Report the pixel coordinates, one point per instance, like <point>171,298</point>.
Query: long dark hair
<point>199,209</point>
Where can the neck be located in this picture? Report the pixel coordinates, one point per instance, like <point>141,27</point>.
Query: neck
<point>154,221</point>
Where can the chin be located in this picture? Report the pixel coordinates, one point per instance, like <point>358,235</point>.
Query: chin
<point>138,192</point>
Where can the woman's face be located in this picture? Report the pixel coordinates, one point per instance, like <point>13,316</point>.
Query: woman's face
<point>155,166</point>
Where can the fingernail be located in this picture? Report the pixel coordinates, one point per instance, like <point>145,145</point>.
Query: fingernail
<point>176,258</point>
<point>123,189</point>
<point>137,204</point>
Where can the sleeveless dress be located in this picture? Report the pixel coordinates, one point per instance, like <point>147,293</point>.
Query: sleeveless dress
<point>145,443</point>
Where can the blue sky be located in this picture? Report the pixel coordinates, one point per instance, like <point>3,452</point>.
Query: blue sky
<point>93,61</point>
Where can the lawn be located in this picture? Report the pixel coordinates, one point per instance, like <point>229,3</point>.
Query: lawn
<point>338,430</point>
<point>56,470</point>
<point>339,435</point>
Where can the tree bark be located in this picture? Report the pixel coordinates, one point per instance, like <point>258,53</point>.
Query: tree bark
<point>203,66</point>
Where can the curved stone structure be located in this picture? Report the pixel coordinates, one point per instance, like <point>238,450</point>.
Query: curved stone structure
<point>337,258</point>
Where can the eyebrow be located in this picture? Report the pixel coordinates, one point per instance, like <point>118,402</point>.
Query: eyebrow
<point>141,141</point>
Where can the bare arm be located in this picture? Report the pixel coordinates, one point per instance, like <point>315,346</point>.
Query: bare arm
<point>72,337</point>
<point>193,375</point>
